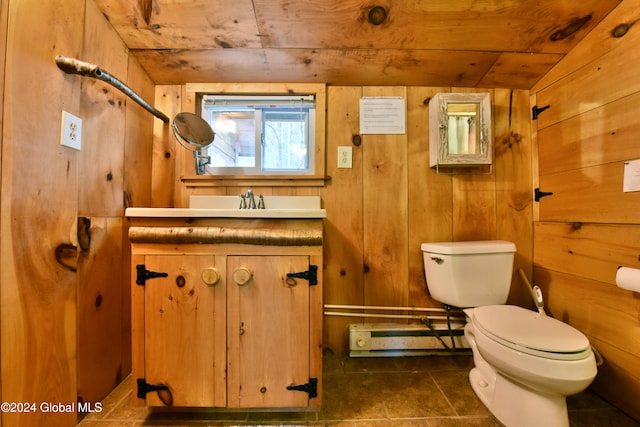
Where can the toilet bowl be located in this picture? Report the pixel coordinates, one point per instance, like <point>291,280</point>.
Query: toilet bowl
<point>526,363</point>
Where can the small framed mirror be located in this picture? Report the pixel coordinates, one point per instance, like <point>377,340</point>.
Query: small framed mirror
<point>460,130</point>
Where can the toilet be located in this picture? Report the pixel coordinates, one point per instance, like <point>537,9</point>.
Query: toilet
<point>526,363</point>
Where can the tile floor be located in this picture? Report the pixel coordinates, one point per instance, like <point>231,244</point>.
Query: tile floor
<point>366,392</point>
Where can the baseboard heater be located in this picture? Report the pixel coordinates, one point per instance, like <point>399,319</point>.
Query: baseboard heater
<point>390,339</point>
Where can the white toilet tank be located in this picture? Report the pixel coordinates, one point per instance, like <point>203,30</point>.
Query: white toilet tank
<point>469,274</point>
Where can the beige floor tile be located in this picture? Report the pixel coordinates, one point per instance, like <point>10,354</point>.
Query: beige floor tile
<point>455,386</point>
<point>464,422</point>
<point>434,363</point>
<point>351,396</point>
<point>412,395</point>
<point>364,392</point>
<point>391,423</point>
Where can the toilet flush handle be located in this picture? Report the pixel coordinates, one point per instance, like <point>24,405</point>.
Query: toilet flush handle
<point>437,260</point>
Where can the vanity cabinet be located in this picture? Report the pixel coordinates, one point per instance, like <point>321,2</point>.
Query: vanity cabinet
<point>183,331</point>
<point>221,321</point>
<point>268,332</point>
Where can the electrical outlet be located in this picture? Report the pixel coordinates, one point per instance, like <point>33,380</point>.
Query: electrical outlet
<point>71,131</point>
<point>345,157</point>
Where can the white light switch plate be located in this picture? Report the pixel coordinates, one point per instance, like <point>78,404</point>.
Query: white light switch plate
<point>631,180</point>
<point>345,157</point>
<point>71,131</point>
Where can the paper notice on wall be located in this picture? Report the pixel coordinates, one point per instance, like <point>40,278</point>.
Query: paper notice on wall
<point>382,115</point>
<point>631,176</point>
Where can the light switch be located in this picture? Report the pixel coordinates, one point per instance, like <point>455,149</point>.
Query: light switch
<point>345,157</point>
<point>631,180</point>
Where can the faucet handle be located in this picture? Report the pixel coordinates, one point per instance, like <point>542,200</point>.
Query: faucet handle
<point>243,202</point>
<point>260,202</point>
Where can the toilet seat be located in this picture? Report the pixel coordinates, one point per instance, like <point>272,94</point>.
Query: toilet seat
<point>531,333</point>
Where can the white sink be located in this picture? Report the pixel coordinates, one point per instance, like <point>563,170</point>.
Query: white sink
<point>270,202</point>
<point>229,207</point>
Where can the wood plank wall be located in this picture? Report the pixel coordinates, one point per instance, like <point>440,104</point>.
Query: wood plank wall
<point>380,210</point>
<point>589,227</point>
<point>65,328</point>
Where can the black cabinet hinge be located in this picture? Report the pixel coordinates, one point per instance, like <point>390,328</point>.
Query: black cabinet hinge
<point>311,275</point>
<point>535,111</point>
<point>311,387</point>
<point>144,388</point>
<point>164,393</point>
<point>540,194</point>
<point>142,274</point>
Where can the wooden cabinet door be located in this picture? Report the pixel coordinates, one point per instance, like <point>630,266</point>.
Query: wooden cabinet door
<point>185,330</point>
<point>268,331</point>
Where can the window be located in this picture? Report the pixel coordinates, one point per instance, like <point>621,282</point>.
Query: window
<point>261,135</point>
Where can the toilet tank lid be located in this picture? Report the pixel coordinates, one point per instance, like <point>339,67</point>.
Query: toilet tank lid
<point>471,247</point>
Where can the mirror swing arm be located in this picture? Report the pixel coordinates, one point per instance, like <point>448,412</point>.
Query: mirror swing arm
<point>190,130</point>
<point>460,131</point>
<point>75,66</point>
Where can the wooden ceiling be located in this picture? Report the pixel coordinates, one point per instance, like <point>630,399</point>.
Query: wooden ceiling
<point>463,43</point>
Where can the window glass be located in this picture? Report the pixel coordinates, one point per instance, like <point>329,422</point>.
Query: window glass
<point>285,144</point>
<point>260,135</point>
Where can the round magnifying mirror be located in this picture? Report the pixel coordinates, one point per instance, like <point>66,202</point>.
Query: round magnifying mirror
<point>192,130</point>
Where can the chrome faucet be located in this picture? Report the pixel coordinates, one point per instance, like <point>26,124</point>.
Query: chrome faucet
<point>251,199</point>
<point>248,201</point>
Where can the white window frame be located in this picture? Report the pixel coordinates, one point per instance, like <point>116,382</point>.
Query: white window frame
<point>260,102</point>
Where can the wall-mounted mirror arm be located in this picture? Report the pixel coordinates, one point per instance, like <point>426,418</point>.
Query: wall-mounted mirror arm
<point>74,66</point>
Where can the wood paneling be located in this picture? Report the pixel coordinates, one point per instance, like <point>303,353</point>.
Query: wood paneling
<point>583,303</point>
<point>603,135</point>
<point>342,197</point>
<point>117,133</point>
<point>138,160</point>
<point>138,143</point>
<point>513,181</point>
<point>100,204</point>
<point>594,44</point>
<point>103,112</point>
<point>593,84</point>
<point>39,203</point>
<point>4,15</point>
<point>589,227</point>
<point>590,251</point>
<point>390,201</point>
<point>352,43</point>
<point>423,25</point>
<point>100,310</point>
<point>614,380</point>
<point>64,325</point>
<point>234,26</point>
<point>430,208</point>
<point>168,99</point>
<point>385,191</point>
<point>590,194</point>
<point>352,67</point>
<point>518,70</point>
